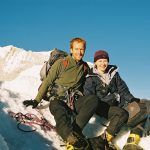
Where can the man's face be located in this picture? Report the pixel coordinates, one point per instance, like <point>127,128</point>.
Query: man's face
<point>101,64</point>
<point>77,51</point>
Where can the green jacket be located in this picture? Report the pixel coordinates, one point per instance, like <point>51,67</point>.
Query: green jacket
<point>72,76</point>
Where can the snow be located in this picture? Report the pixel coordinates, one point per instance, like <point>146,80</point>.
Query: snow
<point>24,85</point>
<point>4,51</point>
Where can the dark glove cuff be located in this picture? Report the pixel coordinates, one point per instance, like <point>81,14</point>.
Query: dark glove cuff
<point>35,103</point>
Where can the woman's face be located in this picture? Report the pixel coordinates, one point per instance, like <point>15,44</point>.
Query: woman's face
<point>101,64</point>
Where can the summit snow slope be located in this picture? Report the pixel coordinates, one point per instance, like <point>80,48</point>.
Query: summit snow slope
<point>20,80</point>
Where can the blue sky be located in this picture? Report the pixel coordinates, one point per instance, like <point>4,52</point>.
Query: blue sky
<point>122,27</point>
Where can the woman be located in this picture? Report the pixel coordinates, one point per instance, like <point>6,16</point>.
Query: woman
<point>104,81</point>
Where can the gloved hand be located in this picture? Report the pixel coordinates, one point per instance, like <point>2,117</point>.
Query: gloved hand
<point>31,102</point>
<point>135,100</point>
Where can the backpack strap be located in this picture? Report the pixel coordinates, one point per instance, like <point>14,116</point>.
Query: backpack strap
<point>65,63</point>
<point>86,67</point>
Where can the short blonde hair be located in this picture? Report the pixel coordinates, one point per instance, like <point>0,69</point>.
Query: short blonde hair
<point>79,40</point>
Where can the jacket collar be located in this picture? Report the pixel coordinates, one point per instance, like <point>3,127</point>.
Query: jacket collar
<point>108,75</point>
<point>73,60</point>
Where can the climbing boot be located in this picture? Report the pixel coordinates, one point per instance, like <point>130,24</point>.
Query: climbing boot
<point>132,143</point>
<point>110,144</point>
<point>76,142</point>
<point>103,142</point>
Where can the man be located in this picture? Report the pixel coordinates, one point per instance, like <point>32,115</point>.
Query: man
<point>61,82</point>
<point>105,81</point>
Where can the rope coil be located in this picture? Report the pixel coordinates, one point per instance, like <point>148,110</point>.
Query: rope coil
<point>31,120</point>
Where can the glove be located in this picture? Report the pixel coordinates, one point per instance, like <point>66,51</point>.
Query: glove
<point>31,102</point>
<point>135,100</point>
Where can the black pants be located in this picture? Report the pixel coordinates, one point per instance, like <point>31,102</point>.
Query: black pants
<point>116,115</point>
<point>85,108</point>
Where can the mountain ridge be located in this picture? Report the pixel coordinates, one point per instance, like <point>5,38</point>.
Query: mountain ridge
<point>14,60</point>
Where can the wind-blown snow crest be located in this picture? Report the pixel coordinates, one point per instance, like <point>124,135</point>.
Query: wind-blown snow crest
<point>14,60</point>
<point>24,85</point>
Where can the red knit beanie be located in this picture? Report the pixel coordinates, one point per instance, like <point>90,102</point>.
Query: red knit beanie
<point>101,54</point>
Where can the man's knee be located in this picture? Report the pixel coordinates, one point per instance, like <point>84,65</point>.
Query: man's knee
<point>91,100</point>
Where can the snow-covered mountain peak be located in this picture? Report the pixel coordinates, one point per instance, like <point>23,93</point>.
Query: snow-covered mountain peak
<point>5,50</point>
<point>13,60</point>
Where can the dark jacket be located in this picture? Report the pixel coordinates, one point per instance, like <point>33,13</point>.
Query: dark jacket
<point>109,89</point>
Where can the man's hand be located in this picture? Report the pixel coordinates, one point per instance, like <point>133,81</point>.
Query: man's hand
<point>32,103</point>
